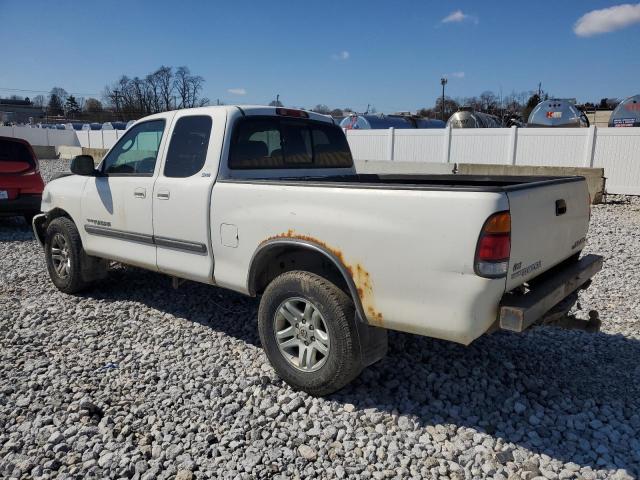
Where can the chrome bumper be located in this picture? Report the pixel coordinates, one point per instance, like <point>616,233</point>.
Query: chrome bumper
<point>36,225</point>
<point>517,312</point>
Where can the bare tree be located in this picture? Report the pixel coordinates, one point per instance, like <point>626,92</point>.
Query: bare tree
<point>132,98</point>
<point>92,105</point>
<point>188,88</point>
<point>320,108</point>
<point>38,101</point>
<point>164,78</point>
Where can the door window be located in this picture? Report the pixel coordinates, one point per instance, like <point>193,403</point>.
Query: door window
<point>136,152</point>
<point>188,147</point>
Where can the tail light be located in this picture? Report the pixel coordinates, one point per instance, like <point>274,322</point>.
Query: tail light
<point>290,112</point>
<point>494,246</point>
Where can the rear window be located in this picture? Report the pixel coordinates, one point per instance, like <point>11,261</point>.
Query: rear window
<point>15,152</point>
<point>272,142</point>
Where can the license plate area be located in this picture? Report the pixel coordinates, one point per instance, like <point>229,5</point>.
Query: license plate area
<point>4,195</point>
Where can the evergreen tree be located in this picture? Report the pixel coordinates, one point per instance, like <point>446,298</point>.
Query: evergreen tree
<point>71,106</point>
<point>55,105</point>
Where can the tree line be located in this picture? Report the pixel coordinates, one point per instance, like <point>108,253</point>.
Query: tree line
<point>162,90</point>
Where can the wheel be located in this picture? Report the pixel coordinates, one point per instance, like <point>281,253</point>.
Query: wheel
<point>64,254</point>
<point>308,330</point>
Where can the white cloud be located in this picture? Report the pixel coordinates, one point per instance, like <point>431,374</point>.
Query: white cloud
<point>457,75</point>
<point>343,55</point>
<point>607,20</point>
<point>237,91</point>
<point>458,17</point>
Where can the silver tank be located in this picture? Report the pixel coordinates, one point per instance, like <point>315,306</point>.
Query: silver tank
<point>467,118</point>
<point>557,112</point>
<point>366,122</point>
<point>627,113</point>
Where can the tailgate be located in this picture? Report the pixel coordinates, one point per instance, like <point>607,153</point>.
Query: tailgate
<point>549,222</point>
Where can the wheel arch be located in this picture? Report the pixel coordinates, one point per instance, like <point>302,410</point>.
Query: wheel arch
<point>278,256</point>
<point>41,221</point>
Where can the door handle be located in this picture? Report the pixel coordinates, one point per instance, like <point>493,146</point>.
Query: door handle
<point>561,207</point>
<point>140,193</point>
<point>163,195</point>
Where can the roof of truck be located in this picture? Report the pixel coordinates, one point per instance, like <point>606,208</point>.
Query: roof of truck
<point>233,110</point>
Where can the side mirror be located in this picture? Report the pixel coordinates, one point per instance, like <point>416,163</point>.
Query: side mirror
<point>83,165</point>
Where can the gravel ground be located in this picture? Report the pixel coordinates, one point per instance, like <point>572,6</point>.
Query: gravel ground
<point>136,380</point>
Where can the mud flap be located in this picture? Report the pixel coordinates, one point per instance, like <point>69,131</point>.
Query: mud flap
<point>373,343</point>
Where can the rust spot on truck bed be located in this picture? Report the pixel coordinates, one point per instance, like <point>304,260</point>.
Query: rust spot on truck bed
<point>360,276</point>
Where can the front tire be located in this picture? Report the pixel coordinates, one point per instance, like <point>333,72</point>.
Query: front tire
<point>308,330</point>
<point>63,253</point>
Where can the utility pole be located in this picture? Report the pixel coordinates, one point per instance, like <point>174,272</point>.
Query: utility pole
<point>443,82</point>
<point>277,99</point>
<point>540,90</point>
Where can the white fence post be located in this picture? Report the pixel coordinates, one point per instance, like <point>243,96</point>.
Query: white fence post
<point>513,145</point>
<point>589,147</point>
<point>446,146</point>
<point>390,142</point>
<point>48,143</point>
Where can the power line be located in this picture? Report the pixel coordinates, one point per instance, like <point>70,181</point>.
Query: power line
<point>42,91</point>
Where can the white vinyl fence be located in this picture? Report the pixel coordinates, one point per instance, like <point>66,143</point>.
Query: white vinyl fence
<point>71,138</point>
<point>617,150</point>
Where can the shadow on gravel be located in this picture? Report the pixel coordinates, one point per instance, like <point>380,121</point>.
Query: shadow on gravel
<point>224,310</point>
<point>566,394</point>
<point>14,229</point>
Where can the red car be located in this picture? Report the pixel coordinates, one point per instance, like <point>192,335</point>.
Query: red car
<point>20,182</point>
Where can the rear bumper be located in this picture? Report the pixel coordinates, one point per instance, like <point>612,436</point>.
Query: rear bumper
<point>20,205</point>
<point>517,312</point>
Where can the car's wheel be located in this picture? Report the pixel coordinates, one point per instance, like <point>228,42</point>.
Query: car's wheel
<point>63,253</point>
<point>308,330</point>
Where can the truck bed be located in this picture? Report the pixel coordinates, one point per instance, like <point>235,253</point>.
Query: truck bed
<point>473,183</point>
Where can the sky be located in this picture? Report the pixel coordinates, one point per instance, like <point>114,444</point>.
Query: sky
<point>390,54</point>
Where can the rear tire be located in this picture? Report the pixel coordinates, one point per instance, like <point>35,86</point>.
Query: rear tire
<point>325,319</point>
<point>64,254</point>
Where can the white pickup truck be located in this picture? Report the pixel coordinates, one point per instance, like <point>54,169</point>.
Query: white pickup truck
<point>266,201</point>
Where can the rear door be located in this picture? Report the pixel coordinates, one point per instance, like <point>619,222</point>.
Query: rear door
<point>548,224</point>
<point>182,195</point>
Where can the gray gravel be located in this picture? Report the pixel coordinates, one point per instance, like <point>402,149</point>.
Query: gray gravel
<point>136,380</point>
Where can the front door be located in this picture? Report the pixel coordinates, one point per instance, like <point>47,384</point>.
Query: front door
<point>117,205</point>
<point>181,198</point>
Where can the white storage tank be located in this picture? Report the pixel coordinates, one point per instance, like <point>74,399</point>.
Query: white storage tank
<point>466,117</point>
<point>557,112</point>
<point>627,113</point>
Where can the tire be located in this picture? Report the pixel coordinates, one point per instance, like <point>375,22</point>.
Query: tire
<point>63,246</point>
<point>332,311</point>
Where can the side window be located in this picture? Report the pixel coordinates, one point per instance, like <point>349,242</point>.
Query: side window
<point>188,148</point>
<point>136,152</point>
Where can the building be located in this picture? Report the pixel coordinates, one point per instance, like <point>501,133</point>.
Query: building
<point>19,111</point>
